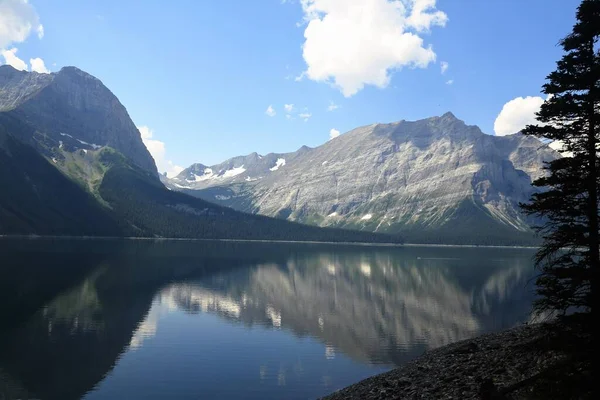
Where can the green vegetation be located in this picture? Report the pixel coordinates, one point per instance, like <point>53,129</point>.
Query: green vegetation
<point>570,255</point>
<point>36,198</point>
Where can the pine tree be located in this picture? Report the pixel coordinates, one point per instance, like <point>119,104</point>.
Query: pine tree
<point>568,200</point>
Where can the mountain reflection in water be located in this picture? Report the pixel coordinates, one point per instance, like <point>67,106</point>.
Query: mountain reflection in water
<point>121,319</point>
<point>378,309</point>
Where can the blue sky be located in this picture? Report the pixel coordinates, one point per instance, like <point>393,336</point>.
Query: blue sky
<point>200,75</point>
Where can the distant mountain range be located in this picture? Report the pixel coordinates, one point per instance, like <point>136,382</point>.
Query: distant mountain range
<point>435,180</point>
<point>73,163</point>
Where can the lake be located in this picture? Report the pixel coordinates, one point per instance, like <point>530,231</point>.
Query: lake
<point>102,319</point>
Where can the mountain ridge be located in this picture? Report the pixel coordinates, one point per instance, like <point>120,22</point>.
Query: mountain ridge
<point>418,178</point>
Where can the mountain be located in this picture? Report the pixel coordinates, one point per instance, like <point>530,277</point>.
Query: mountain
<point>73,163</point>
<point>69,109</point>
<point>435,180</point>
<point>102,193</point>
<point>36,198</point>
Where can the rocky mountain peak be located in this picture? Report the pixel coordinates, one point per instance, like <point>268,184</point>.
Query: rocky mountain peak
<point>303,149</point>
<point>445,121</point>
<point>76,76</point>
<point>72,105</point>
<point>17,86</point>
<point>425,131</point>
<point>74,71</point>
<point>448,116</point>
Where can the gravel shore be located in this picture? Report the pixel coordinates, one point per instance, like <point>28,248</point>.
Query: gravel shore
<point>504,365</point>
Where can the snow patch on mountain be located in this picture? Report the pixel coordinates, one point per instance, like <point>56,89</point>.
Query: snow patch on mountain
<point>234,172</point>
<point>208,174</point>
<point>92,145</point>
<point>279,163</point>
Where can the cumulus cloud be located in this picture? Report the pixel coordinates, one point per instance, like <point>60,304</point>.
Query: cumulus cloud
<point>17,20</point>
<point>37,65</point>
<point>288,108</point>
<point>270,111</point>
<point>353,43</point>
<point>332,106</point>
<point>516,114</point>
<point>10,58</point>
<point>333,133</point>
<point>444,67</point>
<point>305,116</point>
<point>158,151</point>
<point>449,81</point>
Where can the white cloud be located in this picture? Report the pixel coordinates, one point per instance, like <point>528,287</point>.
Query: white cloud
<point>449,81</point>
<point>10,58</point>
<point>332,106</point>
<point>158,151</point>
<point>305,116</point>
<point>516,114</point>
<point>288,108</point>
<point>353,43</point>
<point>333,133</point>
<point>444,67</point>
<point>270,111</point>
<point>145,132</point>
<point>424,15</point>
<point>17,20</point>
<point>37,65</point>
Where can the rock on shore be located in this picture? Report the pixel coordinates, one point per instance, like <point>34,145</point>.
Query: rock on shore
<point>491,366</point>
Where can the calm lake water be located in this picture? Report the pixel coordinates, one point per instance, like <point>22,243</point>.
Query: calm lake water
<point>100,319</point>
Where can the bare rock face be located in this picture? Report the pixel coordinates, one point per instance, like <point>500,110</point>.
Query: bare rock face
<point>435,180</point>
<point>73,108</point>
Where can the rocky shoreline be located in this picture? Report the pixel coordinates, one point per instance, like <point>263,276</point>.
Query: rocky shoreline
<point>505,365</point>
